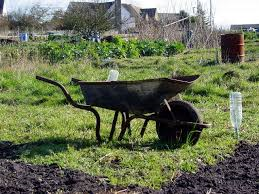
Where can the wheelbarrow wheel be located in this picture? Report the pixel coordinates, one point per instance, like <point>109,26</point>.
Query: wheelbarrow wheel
<point>178,135</point>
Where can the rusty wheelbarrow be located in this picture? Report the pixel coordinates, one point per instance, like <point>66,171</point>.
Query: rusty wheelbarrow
<point>177,121</point>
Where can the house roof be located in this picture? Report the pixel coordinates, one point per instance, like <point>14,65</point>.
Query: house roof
<point>133,10</point>
<point>150,12</point>
<point>242,26</point>
<point>105,5</point>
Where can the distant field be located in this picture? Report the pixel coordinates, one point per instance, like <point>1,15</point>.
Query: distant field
<point>36,114</point>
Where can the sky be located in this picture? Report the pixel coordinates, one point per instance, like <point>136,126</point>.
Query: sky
<point>226,12</point>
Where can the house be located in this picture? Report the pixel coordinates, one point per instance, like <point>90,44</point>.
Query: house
<point>245,27</point>
<point>127,16</point>
<point>149,14</point>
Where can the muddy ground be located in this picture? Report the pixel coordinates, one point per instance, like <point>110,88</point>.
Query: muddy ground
<point>236,174</point>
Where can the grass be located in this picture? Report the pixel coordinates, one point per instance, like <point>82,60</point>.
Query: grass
<point>36,116</point>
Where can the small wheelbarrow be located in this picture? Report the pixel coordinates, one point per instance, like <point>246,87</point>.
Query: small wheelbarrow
<point>177,121</point>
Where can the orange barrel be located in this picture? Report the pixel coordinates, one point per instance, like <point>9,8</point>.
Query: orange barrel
<point>232,48</point>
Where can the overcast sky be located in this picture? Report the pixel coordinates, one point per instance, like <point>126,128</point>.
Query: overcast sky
<point>226,12</point>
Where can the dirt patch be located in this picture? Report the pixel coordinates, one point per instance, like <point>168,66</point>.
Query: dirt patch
<point>236,174</point>
<point>16,177</point>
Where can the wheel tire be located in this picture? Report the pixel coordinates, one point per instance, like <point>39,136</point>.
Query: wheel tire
<point>178,135</point>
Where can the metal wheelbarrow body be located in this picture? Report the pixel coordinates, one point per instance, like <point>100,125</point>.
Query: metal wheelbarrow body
<point>146,99</point>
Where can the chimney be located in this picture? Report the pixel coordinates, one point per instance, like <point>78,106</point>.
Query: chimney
<point>1,7</point>
<point>118,15</point>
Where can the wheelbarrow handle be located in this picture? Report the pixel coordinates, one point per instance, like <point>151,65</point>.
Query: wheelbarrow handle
<point>73,103</point>
<point>67,95</point>
<point>44,79</point>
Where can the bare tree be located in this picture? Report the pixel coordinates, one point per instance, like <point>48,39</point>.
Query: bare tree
<point>150,29</point>
<point>87,18</point>
<point>57,20</point>
<point>203,35</point>
<point>29,20</point>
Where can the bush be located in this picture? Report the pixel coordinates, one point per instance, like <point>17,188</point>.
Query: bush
<point>251,35</point>
<point>174,48</point>
<point>254,78</point>
<point>56,51</point>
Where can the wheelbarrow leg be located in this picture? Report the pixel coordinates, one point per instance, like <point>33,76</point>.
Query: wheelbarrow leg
<point>123,119</point>
<point>144,128</point>
<point>126,125</point>
<point>97,116</point>
<point>127,117</point>
<point>114,125</point>
<point>97,126</point>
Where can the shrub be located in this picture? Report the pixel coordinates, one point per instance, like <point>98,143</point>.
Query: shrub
<point>251,35</point>
<point>254,78</point>
<point>174,48</point>
<point>56,51</point>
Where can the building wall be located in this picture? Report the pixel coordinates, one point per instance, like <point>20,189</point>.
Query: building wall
<point>128,21</point>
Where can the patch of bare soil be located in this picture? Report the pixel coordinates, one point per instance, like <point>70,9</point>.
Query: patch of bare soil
<point>237,174</point>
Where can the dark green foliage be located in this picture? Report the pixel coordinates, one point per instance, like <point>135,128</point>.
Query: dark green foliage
<point>56,51</point>
<point>57,37</point>
<point>174,48</point>
<point>251,35</point>
<point>254,78</point>
<point>230,74</point>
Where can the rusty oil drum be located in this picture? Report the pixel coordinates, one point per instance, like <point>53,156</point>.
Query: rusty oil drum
<point>232,48</point>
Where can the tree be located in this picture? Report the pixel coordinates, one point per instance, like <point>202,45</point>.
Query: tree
<point>183,15</point>
<point>201,14</point>
<point>28,20</point>
<point>57,20</point>
<point>87,18</point>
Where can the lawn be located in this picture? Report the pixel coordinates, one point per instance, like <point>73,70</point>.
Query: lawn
<point>36,117</point>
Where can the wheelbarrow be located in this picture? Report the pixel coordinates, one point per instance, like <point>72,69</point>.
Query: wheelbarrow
<point>177,121</point>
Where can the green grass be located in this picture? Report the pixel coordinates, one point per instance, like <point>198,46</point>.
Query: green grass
<point>36,114</point>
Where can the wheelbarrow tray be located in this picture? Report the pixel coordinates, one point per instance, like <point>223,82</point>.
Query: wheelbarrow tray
<point>136,97</point>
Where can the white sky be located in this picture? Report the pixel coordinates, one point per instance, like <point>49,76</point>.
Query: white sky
<point>226,12</point>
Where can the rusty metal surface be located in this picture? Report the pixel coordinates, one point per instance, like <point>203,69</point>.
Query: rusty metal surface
<point>232,48</point>
<point>137,97</point>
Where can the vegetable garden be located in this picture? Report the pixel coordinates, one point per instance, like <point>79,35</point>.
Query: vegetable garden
<point>41,128</point>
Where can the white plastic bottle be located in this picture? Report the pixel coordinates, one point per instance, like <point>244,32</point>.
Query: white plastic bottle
<point>236,111</point>
<point>113,75</point>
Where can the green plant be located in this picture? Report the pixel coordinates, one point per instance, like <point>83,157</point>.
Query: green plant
<point>251,35</point>
<point>56,51</point>
<point>36,114</point>
<point>174,48</point>
<point>254,77</point>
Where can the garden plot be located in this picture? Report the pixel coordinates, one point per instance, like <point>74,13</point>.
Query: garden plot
<point>236,174</point>
<point>37,115</point>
